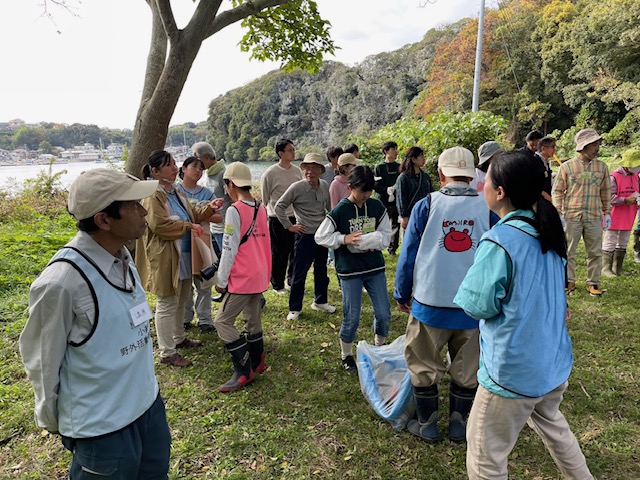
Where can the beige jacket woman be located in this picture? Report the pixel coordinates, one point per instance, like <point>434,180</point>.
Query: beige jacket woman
<point>157,252</point>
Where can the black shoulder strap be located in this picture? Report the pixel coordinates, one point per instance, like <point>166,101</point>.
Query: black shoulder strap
<point>245,237</point>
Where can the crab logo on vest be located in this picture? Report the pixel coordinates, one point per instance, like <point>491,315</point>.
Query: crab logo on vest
<point>457,235</point>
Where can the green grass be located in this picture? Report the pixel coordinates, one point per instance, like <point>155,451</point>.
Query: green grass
<point>305,418</point>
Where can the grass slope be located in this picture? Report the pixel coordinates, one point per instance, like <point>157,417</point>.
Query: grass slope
<point>305,418</point>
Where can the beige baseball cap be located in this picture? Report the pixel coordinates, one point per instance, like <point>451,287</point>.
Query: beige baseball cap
<point>238,173</point>
<point>96,189</point>
<point>348,159</point>
<point>457,162</point>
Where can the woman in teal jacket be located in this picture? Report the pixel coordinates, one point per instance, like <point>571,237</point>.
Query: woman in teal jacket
<point>516,289</point>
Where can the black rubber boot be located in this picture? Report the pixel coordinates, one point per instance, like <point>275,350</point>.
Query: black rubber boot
<point>256,351</point>
<point>460,402</point>
<point>426,401</point>
<point>618,259</point>
<point>242,374</point>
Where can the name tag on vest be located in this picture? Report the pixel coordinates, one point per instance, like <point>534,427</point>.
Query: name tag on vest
<point>140,313</point>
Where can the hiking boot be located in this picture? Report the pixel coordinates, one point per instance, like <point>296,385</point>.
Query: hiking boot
<point>293,315</point>
<point>323,307</point>
<point>349,364</point>
<point>187,343</point>
<point>594,291</point>
<point>176,360</point>
<point>571,286</point>
<point>207,328</point>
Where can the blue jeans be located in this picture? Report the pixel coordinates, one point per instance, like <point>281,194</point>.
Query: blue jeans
<point>308,252</point>
<point>376,286</point>
<point>139,451</point>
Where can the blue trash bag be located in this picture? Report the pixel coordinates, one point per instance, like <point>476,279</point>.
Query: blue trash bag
<point>385,381</point>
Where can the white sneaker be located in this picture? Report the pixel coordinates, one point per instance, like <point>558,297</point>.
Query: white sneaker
<point>282,292</point>
<point>293,315</point>
<point>323,307</point>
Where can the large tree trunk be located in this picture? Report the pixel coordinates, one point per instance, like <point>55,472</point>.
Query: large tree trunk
<point>154,115</point>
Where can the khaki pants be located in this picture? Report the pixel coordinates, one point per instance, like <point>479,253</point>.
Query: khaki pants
<point>494,425</point>
<point>591,232</point>
<point>170,319</point>
<point>232,305</point>
<point>426,366</point>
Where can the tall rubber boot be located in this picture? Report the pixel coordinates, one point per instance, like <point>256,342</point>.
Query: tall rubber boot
<point>242,374</point>
<point>460,402</point>
<point>256,351</point>
<point>618,259</point>
<point>607,264</point>
<point>426,401</point>
<point>636,247</point>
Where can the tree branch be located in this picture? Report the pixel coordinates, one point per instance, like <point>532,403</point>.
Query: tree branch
<point>168,20</point>
<point>241,12</point>
<point>157,53</point>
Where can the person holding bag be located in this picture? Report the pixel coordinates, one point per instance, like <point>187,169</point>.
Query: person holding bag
<point>163,255</point>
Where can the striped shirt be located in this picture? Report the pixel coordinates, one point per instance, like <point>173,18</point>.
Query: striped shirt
<point>582,190</point>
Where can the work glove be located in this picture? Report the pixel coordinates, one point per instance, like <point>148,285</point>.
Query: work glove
<point>607,222</point>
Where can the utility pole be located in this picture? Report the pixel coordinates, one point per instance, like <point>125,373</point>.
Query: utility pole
<point>476,73</point>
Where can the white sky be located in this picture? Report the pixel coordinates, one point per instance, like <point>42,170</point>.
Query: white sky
<point>92,73</point>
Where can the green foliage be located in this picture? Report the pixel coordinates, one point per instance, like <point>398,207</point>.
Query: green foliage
<point>293,33</point>
<point>439,132</point>
<point>42,196</point>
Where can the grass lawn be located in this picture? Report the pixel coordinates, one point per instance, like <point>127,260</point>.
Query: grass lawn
<point>305,418</point>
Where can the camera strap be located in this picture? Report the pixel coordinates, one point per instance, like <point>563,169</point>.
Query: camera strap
<point>245,237</point>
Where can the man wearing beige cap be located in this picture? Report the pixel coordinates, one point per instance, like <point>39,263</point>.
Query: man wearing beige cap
<point>87,341</point>
<point>310,200</point>
<point>438,248</point>
<point>582,195</point>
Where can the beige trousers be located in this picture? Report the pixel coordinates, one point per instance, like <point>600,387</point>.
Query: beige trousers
<point>232,305</point>
<point>494,425</point>
<point>170,319</point>
<point>422,348</point>
<point>591,232</point>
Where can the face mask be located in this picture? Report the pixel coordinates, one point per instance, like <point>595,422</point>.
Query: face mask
<point>635,170</point>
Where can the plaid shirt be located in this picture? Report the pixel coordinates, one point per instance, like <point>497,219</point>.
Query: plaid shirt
<point>582,190</point>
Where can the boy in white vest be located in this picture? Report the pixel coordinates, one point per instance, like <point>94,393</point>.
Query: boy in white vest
<point>87,341</point>
<point>242,276</point>
<point>438,248</point>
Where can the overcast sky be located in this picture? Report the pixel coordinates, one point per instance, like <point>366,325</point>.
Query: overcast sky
<point>92,72</point>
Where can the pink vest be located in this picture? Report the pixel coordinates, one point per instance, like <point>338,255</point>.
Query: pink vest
<point>622,216</point>
<point>251,270</point>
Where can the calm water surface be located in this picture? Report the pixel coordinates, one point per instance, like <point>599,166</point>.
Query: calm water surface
<point>13,177</point>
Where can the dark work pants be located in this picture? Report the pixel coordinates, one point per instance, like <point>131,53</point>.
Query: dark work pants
<point>392,211</point>
<point>308,252</point>
<point>282,243</point>
<point>139,451</point>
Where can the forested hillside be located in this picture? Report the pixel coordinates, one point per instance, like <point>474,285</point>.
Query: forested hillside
<point>552,65</point>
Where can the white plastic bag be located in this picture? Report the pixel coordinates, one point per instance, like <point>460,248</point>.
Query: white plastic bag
<point>385,381</point>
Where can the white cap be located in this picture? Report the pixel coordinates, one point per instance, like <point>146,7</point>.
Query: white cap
<point>96,189</point>
<point>457,162</point>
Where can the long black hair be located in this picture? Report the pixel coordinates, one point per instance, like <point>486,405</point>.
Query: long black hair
<point>522,179</point>
<point>409,160</point>
<point>157,159</point>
